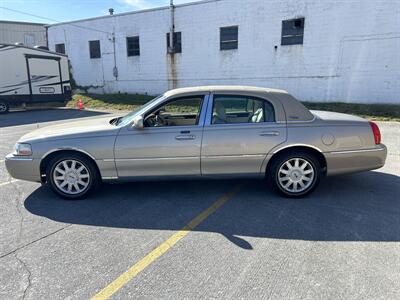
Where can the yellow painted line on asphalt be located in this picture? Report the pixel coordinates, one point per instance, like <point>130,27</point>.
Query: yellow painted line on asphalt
<point>8,182</point>
<point>142,264</point>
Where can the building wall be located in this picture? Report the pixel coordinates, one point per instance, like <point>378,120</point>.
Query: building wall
<point>350,51</point>
<point>29,34</point>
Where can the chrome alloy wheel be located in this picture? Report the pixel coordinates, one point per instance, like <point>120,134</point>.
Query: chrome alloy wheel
<point>296,175</point>
<point>71,176</point>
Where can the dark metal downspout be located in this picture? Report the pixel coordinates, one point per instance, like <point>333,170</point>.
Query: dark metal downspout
<point>172,27</point>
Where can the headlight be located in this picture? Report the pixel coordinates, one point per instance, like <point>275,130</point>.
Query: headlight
<point>23,149</point>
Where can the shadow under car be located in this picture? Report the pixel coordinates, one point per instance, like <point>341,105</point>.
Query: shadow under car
<point>360,207</point>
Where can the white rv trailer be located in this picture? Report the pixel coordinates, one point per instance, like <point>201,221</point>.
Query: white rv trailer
<point>32,75</point>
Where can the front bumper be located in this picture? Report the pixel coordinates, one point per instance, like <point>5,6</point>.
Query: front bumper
<point>24,168</point>
<point>351,161</point>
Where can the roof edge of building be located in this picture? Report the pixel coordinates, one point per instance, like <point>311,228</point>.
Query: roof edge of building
<point>133,12</point>
<point>22,23</point>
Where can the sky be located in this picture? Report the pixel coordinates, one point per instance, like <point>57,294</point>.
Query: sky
<point>68,10</point>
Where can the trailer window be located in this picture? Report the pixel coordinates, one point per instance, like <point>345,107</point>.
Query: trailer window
<point>94,49</point>
<point>60,48</point>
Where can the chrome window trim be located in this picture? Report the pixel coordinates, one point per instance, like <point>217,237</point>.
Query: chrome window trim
<point>203,107</point>
<point>210,108</point>
<point>260,125</point>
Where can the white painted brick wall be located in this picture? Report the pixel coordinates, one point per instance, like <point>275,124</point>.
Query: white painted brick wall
<point>351,49</point>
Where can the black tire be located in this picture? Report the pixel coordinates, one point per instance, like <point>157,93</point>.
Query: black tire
<point>4,107</point>
<point>94,178</point>
<point>275,175</point>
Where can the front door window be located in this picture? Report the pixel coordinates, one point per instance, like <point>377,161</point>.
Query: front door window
<point>178,112</point>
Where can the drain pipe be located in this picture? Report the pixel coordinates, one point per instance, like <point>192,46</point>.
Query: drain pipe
<point>115,69</point>
<point>171,49</point>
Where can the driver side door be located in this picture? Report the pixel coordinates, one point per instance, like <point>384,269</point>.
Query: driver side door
<point>168,145</point>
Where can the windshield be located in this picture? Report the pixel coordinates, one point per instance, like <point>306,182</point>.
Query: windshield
<point>129,117</point>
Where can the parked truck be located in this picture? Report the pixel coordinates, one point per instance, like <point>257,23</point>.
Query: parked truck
<point>32,75</point>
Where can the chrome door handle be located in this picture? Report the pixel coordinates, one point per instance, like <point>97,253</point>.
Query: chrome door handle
<point>185,137</point>
<point>269,133</point>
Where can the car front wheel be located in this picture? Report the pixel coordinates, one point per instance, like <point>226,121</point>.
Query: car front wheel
<point>72,176</point>
<point>295,174</point>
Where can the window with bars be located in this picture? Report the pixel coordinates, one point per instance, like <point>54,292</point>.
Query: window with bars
<point>292,32</point>
<point>60,48</point>
<point>94,49</point>
<point>132,46</point>
<point>229,37</point>
<point>177,42</point>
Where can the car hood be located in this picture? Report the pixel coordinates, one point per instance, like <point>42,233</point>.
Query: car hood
<point>98,126</point>
<point>334,117</point>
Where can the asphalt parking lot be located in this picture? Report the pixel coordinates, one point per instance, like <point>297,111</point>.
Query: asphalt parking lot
<point>341,242</point>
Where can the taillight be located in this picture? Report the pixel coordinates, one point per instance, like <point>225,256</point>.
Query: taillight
<point>376,132</point>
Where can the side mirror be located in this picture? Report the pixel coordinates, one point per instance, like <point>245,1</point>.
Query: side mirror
<point>138,122</point>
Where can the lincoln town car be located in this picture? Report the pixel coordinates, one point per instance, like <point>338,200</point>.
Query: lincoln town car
<point>201,132</point>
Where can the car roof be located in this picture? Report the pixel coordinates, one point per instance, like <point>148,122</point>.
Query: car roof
<point>294,110</point>
<point>224,88</point>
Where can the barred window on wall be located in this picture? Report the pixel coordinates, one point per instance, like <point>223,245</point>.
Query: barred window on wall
<point>292,32</point>
<point>133,46</point>
<point>94,49</point>
<point>229,38</point>
<point>60,48</point>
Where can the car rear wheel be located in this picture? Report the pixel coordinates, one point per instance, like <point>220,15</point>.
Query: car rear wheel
<point>295,174</point>
<point>3,107</point>
<point>73,176</point>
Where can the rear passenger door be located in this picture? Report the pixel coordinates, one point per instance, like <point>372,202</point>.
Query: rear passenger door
<point>239,132</point>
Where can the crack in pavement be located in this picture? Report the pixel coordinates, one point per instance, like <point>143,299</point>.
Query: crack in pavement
<point>17,207</point>
<point>34,241</point>
<point>29,274</point>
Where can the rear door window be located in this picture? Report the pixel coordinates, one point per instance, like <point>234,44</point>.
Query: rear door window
<point>231,109</point>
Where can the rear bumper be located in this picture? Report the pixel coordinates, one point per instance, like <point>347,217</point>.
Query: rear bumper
<point>351,161</point>
<point>24,168</point>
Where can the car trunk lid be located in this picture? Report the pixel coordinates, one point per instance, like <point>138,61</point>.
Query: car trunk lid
<point>334,117</point>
